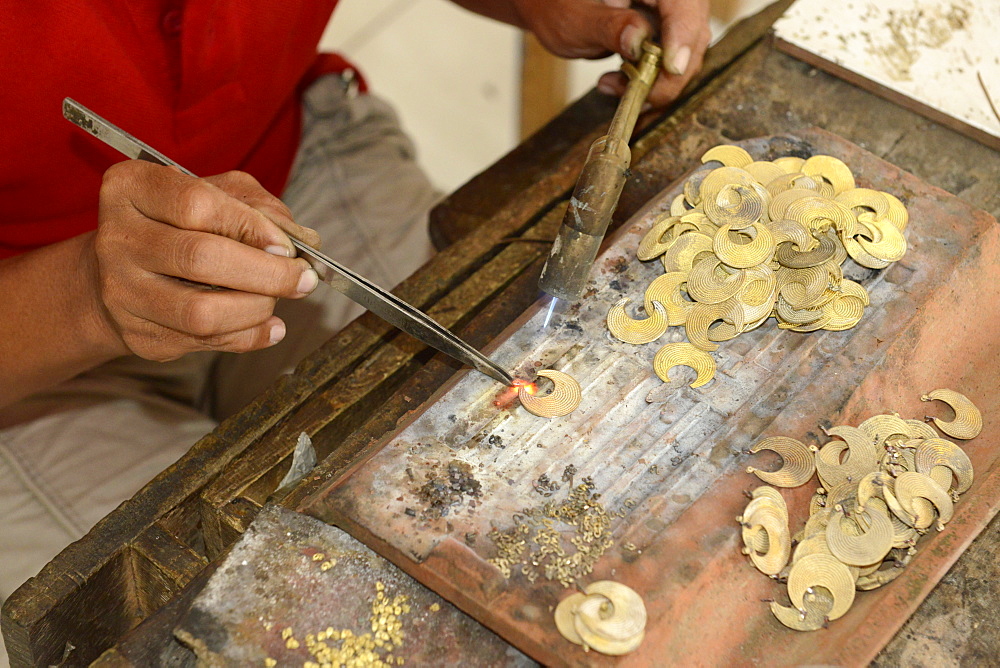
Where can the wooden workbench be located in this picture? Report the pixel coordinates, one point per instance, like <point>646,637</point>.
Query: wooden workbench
<point>355,388</point>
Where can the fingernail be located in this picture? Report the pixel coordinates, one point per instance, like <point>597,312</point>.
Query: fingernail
<point>606,88</point>
<point>308,281</point>
<point>631,40</point>
<point>282,251</point>
<point>678,62</point>
<point>646,107</point>
<point>277,332</point>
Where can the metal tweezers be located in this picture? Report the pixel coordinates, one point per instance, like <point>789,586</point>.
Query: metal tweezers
<point>381,302</point>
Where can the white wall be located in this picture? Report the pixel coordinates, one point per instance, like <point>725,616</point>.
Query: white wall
<point>454,76</point>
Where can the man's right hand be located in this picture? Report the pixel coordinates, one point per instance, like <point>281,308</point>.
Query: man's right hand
<point>164,237</point>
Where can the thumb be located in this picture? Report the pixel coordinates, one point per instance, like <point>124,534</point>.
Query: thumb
<point>573,29</point>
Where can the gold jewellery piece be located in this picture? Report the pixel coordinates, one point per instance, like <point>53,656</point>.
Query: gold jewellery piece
<point>682,353</point>
<point>752,240</point>
<point>968,421</point>
<point>608,617</point>
<point>634,331</point>
<point>798,462</point>
<point>564,398</point>
<point>885,483</point>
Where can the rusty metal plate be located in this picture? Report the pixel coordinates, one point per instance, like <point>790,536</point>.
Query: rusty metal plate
<point>671,471</point>
<point>272,581</point>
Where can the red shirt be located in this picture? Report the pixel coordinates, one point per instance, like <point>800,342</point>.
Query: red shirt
<point>213,84</point>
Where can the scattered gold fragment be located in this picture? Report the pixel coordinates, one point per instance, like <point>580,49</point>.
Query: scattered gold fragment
<point>435,607</point>
<point>319,556</point>
<point>328,564</point>
<point>885,483</point>
<point>564,398</point>
<point>534,546</point>
<point>331,647</point>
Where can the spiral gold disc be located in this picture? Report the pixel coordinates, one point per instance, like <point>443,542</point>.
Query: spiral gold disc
<point>789,164</point>
<point>628,617</point>
<point>818,213</point>
<point>795,233</point>
<point>968,420</point>
<point>822,252</point>
<point>730,156</point>
<point>764,171</point>
<point>682,253</point>
<point>667,290</point>
<point>891,244</point>
<point>657,240</point>
<point>702,316</point>
<point>832,170</point>
<point>863,257</point>
<point>820,570</point>
<point>934,453</point>
<point>869,547</point>
<point>735,205</point>
<point>684,354</point>
<point>861,200</point>
<point>710,282</point>
<point>881,428</point>
<point>564,398</point>
<point>812,617</point>
<point>779,540</point>
<point>634,331</point>
<point>759,250</point>
<point>564,614</point>
<point>910,486</point>
<point>802,288</point>
<point>798,463</point>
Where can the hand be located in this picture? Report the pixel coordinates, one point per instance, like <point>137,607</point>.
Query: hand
<point>164,238</point>
<point>588,29</point>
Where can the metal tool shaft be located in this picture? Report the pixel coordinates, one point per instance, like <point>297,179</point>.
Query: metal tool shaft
<point>381,302</point>
<point>598,188</point>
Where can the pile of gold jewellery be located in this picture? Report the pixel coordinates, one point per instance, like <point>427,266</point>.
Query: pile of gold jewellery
<point>898,479</point>
<point>609,618</point>
<point>753,240</point>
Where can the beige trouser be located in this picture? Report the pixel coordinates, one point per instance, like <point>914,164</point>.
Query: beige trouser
<point>70,455</point>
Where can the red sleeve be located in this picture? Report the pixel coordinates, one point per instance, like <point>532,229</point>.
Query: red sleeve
<point>214,84</point>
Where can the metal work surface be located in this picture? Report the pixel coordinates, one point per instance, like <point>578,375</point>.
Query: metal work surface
<point>668,463</point>
<point>272,581</point>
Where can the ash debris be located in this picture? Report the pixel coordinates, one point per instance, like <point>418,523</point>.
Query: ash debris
<point>448,488</point>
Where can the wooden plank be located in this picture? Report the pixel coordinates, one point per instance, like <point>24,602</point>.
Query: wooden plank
<point>77,626</point>
<point>161,566</point>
